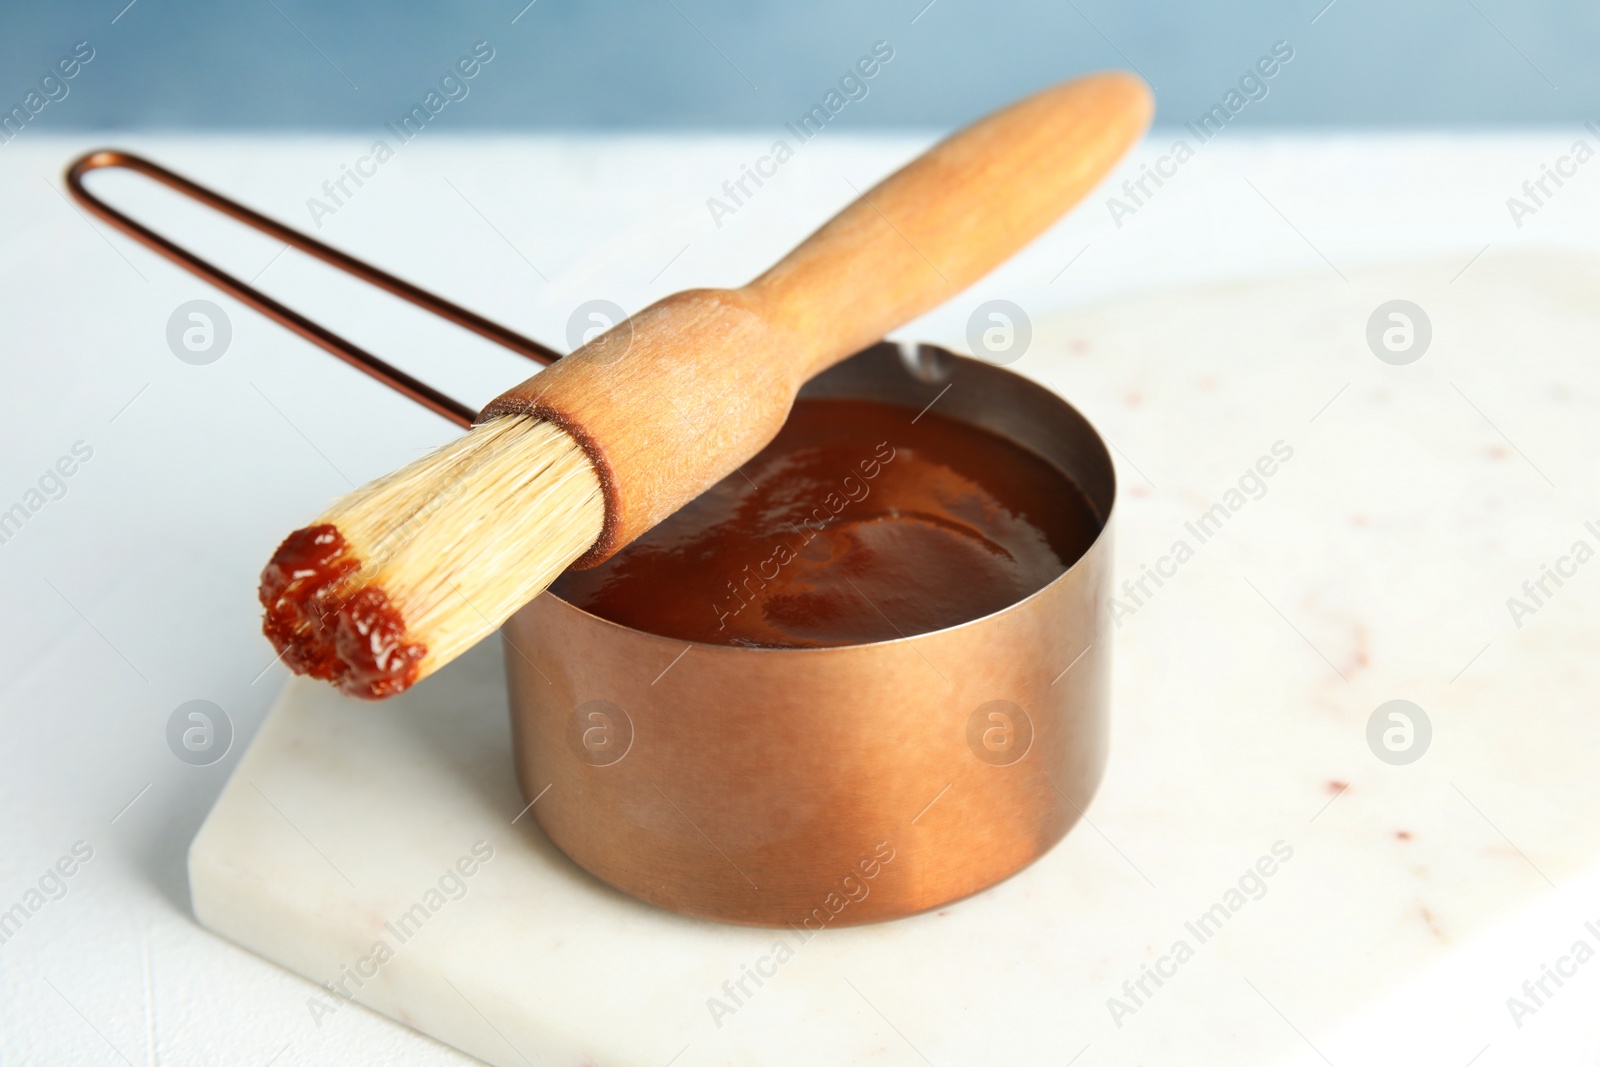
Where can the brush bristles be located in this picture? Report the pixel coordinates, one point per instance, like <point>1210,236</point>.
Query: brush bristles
<point>409,571</point>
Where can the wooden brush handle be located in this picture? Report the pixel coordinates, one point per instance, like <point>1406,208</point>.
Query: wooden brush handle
<point>675,399</point>
<point>952,215</point>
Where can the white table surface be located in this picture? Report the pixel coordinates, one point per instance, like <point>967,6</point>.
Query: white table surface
<point>134,592</point>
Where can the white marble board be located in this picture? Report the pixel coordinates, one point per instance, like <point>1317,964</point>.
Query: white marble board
<point>1375,564</point>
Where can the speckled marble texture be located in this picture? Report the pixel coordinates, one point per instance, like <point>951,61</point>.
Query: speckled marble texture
<point>1406,505</point>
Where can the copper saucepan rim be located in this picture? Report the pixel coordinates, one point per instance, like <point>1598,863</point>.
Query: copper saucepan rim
<point>1015,605</point>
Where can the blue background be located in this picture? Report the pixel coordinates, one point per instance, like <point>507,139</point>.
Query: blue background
<point>699,64</point>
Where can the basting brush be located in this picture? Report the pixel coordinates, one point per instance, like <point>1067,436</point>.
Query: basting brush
<point>404,574</point>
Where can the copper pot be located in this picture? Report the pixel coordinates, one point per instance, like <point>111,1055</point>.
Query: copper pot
<point>807,787</point>
<point>831,786</point>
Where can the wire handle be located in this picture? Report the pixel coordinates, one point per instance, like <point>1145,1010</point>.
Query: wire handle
<point>392,376</point>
